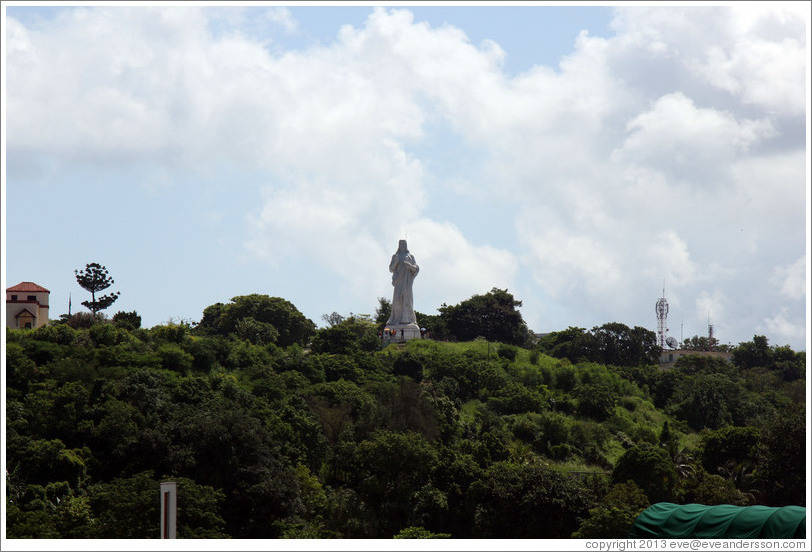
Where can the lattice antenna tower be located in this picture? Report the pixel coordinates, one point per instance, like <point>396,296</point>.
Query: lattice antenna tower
<point>710,333</point>
<point>661,309</point>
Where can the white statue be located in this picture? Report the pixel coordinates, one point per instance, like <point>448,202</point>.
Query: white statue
<point>404,269</point>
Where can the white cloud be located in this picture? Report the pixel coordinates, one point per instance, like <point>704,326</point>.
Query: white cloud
<point>791,279</point>
<point>669,254</point>
<point>712,306</point>
<point>669,150</point>
<point>283,17</point>
<point>784,329</point>
<point>756,53</point>
<point>567,263</point>
<point>456,269</point>
<point>690,143</point>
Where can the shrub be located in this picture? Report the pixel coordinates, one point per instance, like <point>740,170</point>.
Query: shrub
<point>508,351</point>
<point>615,513</point>
<point>174,358</point>
<point>595,401</point>
<point>61,334</point>
<point>651,469</point>
<point>127,320</point>
<point>420,533</point>
<point>84,320</point>
<point>169,333</point>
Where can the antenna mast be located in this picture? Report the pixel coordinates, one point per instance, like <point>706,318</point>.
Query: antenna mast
<point>661,308</point>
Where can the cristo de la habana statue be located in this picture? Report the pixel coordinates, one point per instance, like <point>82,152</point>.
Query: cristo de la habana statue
<point>402,323</point>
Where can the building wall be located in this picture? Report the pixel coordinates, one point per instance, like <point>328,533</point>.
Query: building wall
<point>35,302</point>
<point>669,358</point>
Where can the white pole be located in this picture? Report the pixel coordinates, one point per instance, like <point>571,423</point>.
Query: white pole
<point>169,509</point>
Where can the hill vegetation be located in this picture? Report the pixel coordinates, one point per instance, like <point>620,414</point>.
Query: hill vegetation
<point>276,429</point>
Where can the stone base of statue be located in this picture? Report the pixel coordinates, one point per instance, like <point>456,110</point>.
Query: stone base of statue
<point>400,333</point>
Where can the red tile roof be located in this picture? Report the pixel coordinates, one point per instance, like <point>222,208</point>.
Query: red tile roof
<point>23,287</point>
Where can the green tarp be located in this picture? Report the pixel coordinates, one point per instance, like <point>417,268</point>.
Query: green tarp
<point>683,521</point>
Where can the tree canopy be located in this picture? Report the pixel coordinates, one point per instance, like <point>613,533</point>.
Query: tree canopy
<point>493,316</point>
<point>272,319</point>
<point>275,429</point>
<point>612,343</point>
<point>94,278</point>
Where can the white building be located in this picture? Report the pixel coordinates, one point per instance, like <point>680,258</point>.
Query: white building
<point>26,305</point>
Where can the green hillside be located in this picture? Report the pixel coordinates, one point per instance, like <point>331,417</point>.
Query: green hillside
<point>275,429</point>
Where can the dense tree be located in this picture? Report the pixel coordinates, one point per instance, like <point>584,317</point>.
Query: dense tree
<point>292,326</point>
<point>94,278</point>
<point>409,364</point>
<point>574,344</point>
<point>612,343</point>
<point>713,401</point>
<point>703,343</point>
<point>346,336</point>
<point>783,464</point>
<point>615,514</point>
<point>596,401</point>
<point>730,445</point>
<point>492,316</point>
<point>129,508</point>
<point>389,468</point>
<point>692,364</point>
<point>713,489</point>
<point>127,320</point>
<point>528,501</point>
<point>753,353</point>
<point>623,346</point>
<point>383,311</point>
<point>651,469</point>
<point>345,439</point>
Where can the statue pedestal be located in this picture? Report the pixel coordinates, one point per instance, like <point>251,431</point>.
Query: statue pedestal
<point>399,333</point>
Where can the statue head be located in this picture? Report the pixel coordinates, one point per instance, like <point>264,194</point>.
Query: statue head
<point>402,247</point>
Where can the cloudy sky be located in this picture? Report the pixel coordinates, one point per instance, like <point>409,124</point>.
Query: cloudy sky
<point>582,158</point>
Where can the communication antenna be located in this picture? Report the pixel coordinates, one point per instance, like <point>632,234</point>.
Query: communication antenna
<point>710,333</point>
<point>661,308</point>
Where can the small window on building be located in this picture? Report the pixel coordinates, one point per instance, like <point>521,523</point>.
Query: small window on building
<point>13,297</point>
<point>28,325</point>
<point>32,298</point>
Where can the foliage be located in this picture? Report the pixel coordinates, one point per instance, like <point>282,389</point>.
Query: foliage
<point>127,320</point>
<point>383,311</point>
<point>291,325</point>
<point>613,344</point>
<point>615,513</point>
<point>94,278</point>
<point>346,336</point>
<point>651,469</point>
<point>331,436</point>
<point>703,343</point>
<point>730,444</point>
<point>753,353</point>
<point>595,401</point>
<point>419,533</point>
<point>785,453</point>
<point>510,494</point>
<point>713,489</point>
<point>492,316</point>
<point>710,400</point>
